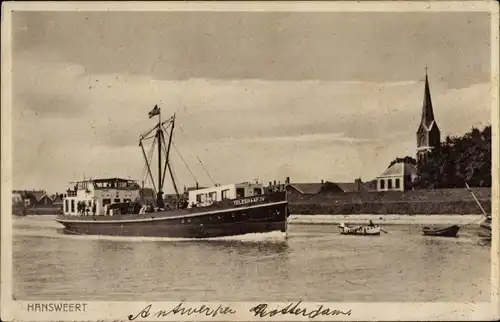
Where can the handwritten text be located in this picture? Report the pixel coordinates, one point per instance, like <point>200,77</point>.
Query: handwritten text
<point>261,310</point>
<point>180,310</point>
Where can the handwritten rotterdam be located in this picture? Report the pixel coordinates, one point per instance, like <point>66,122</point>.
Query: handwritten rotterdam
<point>262,310</point>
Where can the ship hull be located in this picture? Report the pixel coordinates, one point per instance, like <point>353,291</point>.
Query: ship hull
<point>269,213</point>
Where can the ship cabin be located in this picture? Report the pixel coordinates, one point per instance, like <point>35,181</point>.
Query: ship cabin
<point>207,196</point>
<point>94,196</point>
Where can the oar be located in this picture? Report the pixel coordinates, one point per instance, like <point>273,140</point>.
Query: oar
<point>384,231</point>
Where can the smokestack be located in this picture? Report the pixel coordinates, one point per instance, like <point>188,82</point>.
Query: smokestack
<point>287,180</point>
<point>322,181</point>
<point>274,182</point>
<point>270,183</point>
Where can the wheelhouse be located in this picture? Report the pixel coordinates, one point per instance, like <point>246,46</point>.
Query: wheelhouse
<point>207,196</point>
<point>94,196</point>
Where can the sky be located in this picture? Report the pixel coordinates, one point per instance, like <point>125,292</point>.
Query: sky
<point>258,95</point>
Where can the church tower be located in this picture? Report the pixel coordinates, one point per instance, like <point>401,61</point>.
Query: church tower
<point>428,134</point>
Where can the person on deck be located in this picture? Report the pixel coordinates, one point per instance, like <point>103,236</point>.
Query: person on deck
<point>371,224</point>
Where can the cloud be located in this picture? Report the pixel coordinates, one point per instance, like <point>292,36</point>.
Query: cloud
<point>68,122</point>
<point>388,46</point>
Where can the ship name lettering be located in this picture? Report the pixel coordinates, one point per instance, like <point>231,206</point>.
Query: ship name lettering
<point>248,201</point>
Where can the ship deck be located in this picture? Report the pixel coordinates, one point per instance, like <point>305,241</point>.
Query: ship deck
<point>219,207</point>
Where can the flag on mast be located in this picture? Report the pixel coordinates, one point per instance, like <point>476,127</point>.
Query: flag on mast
<point>154,111</point>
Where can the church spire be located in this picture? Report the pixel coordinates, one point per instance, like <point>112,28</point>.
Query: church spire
<point>427,111</point>
<point>428,133</point>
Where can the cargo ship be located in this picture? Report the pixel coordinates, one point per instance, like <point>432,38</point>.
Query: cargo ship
<point>114,206</point>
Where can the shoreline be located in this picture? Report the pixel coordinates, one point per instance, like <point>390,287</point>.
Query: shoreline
<point>385,219</point>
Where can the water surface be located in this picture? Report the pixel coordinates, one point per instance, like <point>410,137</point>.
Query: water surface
<point>315,263</point>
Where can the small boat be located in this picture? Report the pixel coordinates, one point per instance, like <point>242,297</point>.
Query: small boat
<point>485,234</point>
<point>486,224</point>
<point>451,231</point>
<point>360,230</point>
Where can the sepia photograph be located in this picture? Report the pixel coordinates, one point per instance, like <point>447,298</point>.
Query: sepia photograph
<point>250,161</point>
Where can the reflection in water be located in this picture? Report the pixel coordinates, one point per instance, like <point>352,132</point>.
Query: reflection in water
<point>313,264</point>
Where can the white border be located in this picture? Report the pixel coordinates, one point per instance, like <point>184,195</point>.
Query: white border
<point>100,310</point>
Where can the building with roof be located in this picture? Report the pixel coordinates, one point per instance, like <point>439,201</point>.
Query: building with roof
<point>311,188</point>
<point>358,186</point>
<point>398,177</point>
<point>428,133</point>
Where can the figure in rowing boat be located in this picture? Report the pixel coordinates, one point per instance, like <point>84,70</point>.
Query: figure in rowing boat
<point>368,230</point>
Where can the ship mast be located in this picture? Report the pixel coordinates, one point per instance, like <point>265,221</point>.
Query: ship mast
<point>159,136</point>
<point>163,147</point>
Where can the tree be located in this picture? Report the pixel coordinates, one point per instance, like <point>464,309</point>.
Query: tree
<point>406,159</point>
<point>458,160</point>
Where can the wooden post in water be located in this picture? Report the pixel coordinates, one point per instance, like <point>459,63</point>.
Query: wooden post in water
<point>477,201</point>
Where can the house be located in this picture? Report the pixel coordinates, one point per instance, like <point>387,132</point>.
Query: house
<point>398,177</point>
<point>34,197</point>
<point>36,202</point>
<point>311,188</point>
<point>43,201</point>
<point>17,197</point>
<point>358,186</point>
<point>27,197</point>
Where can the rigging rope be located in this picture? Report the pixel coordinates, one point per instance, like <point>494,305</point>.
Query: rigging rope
<point>206,171</point>
<point>149,157</point>
<point>185,163</point>
<point>180,155</point>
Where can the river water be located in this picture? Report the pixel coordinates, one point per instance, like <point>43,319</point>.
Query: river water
<point>315,263</point>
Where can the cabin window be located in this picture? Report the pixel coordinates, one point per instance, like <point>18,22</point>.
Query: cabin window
<point>66,205</point>
<point>72,205</point>
<point>257,191</point>
<point>240,192</point>
<point>396,183</point>
<point>382,184</point>
<point>389,184</point>
<point>116,200</point>
<point>212,196</point>
<point>224,194</point>
<point>106,201</point>
<point>199,197</point>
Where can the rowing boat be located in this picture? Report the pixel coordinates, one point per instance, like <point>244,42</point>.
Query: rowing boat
<point>451,231</point>
<point>361,230</point>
